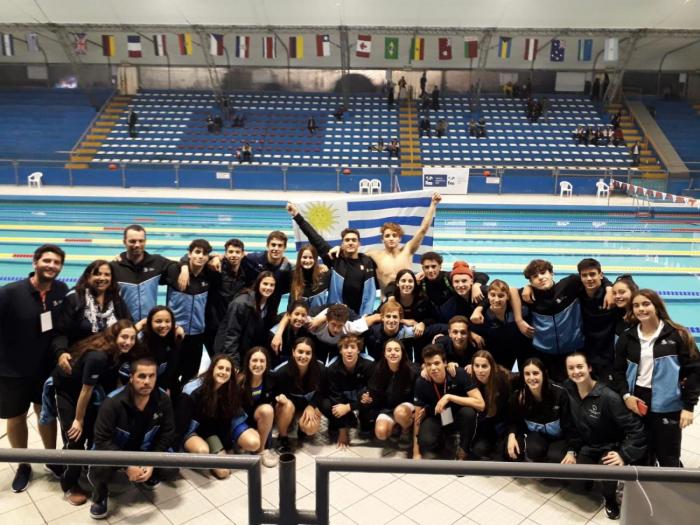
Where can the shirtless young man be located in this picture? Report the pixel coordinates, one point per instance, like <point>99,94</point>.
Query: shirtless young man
<point>394,256</point>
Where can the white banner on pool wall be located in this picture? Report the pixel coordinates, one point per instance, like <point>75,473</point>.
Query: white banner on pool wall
<point>450,181</point>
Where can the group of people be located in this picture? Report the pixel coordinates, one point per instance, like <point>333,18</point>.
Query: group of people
<point>603,374</point>
<point>393,148</point>
<point>599,135</point>
<point>536,109</point>
<point>477,128</point>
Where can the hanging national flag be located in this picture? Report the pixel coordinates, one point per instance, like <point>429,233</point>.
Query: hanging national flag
<point>80,43</point>
<point>216,44</point>
<point>417,48</point>
<point>32,42</point>
<point>391,48</point>
<point>323,45</point>
<point>612,50</point>
<point>444,49</point>
<point>8,45</point>
<point>471,47</point>
<point>296,47</point>
<point>558,50</point>
<point>133,46</point>
<point>109,46</point>
<point>160,47</point>
<point>269,47</point>
<point>530,49</point>
<point>184,42</point>
<point>242,46</point>
<point>329,217</point>
<point>364,46</point>
<point>504,45</point>
<point>585,50</point>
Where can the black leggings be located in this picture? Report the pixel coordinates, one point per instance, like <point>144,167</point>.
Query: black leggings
<point>591,457</point>
<point>431,433</point>
<point>538,448</point>
<point>65,405</point>
<point>190,357</point>
<point>663,433</point>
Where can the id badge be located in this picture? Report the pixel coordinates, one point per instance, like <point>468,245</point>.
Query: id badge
<point>446,417</point>
<point>46,322</point>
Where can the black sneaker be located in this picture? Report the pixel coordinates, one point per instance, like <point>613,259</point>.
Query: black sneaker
<point>55,470</point>
<point>22,477</point>
<point>612,509</point>
<point>98,510</point>
<point>283,445</point>
<point>151,483</point>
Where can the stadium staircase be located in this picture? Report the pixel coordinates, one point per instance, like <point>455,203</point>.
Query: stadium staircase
<point>85,151</point>
<point>410,142</point>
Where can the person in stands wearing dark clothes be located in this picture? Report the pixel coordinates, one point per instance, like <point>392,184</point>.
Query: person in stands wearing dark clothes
<point>311,125</point>
<point>139,273</point>
<point>210,418</point>
<point>90,307</point>
<point>79,393</point>
<point>298,382</point>
<point>599,428</point>
<point>291,327</point>
<point>159,340</point>
<point>657,367</point>
<point>555,312</point>
<point>493,382</point>
<point>135,417</point>
<point>189,305</point>
<point>346,391</point>
<point>258,390</point>
<point>534,418</point>
<point>28,314</point>
<point>457,344</point>
<point>501,333</point>
<point>443,403</point>
<point>339,113</point>
<point>248,319</point>
<point>391,390</point>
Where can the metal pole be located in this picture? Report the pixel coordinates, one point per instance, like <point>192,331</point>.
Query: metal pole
<point>556,179</point>
<point>123,169</point>
<point>15,166</point>
<point>322,493</point>
<point>287,489</point>
<point>255,511</point>
<point>337,180</point>
<point>70,177</point>
<point>500,172</point>
<point>230,176</point>
<point>177,175</point>
<point>284,177</point>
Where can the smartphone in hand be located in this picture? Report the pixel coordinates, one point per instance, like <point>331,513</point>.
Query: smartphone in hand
<point>642,407</point>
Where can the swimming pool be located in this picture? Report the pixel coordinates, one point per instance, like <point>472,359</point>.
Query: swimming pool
<point>662,252</point>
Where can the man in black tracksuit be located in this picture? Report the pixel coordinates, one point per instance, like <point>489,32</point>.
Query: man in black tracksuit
<point>136,417</point>
<point>346,389</point>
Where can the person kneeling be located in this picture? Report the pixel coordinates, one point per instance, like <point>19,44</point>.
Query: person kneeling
<point>444,403</point>
<point>135,417</point>
<point>210,417</point>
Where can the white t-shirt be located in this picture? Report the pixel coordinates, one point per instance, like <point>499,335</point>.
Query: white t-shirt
<point>646,356</point>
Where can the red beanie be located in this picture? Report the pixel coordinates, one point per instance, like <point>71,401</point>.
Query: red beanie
<point>461,268</point>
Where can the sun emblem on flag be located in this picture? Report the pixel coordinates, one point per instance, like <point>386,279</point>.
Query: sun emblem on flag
<point>322,216</point>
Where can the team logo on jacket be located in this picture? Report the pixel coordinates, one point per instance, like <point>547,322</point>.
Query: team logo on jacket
<point>146,269</point>
<point>594,412</point>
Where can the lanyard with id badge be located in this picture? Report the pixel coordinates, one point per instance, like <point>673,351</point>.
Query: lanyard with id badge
<point>446,415</point>
<point>45,316</point>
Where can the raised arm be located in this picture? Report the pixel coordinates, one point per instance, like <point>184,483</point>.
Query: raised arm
<point>314,237</point>
<point>413,245</point>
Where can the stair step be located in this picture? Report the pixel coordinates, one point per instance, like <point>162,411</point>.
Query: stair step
<point>85,151</point>
<point>653,175</point>
<point>411,165</point>
<point>109,117</point>
<point>412,173</point>
<point>92,136</point>
<point>653,167</point>
<point>76,166</point>
<point>80,158</point>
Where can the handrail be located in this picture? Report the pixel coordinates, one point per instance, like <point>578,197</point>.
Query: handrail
<point>251,464</point>
<point>324,466</point>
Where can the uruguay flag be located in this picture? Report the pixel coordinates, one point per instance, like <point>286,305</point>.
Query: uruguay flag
<point>366,214</point>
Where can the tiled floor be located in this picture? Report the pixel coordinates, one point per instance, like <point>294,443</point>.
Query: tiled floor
<point>356,498</point>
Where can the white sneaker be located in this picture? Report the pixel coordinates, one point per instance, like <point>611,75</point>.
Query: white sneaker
<point>269,458</point>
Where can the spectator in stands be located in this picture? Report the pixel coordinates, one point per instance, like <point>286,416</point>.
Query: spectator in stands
<point>218,123</point>
<point>379,146</point>
<point>481,128</point>
<point>339,112</point>
<point>402,89</point>
<point>618,137</point>
<point>28,311</point>
<point>580,134</point>
<point>595,90</point>
<point>390,94</point>
<point>423,82</point>
<point>441,128</point>
<point>210,123</point>
<point>636,151</point>
<point>508,89</point>
<point>238,121</point>
<point>616,118</point>
<point>394,148</point>
<point>132,119</point>
<point>425,102</point>
<point>136,417</point>
<point>247,153</point>
<point>473,129</point>
<point>435,99</point>
<point>424,125</point>
<point>545,106</point>
<point>311,125</point>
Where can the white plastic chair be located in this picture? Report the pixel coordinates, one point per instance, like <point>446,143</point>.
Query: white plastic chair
<point>34,180</point>
<point>565,188</point>
<point>376,186</point>
<point>602,189</point>
<point>365,186</point>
